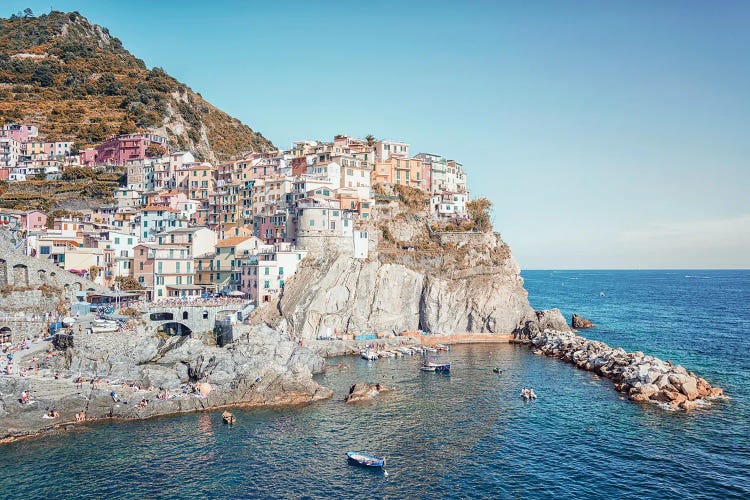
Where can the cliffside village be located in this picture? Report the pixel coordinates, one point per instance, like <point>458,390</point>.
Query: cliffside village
<point>186,228</point>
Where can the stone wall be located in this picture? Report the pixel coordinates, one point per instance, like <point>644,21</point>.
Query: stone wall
<point>198,318</point>
<point>20,271</point>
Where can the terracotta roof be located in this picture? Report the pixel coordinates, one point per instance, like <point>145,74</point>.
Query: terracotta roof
<point>154,208</point>
<point>230,242</point>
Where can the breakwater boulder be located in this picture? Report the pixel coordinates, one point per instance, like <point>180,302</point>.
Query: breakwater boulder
<point>362,391</point>
<point>642,377</point>
<point>579,322</point>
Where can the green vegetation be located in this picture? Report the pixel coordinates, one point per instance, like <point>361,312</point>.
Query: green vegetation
<point>74,80</point>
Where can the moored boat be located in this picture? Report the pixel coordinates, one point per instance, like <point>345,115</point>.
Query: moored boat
<point>368,354</point>
<point>364,459</point>
<point>228,417</point>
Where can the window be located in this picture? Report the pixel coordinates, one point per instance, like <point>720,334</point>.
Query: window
<point>266,284</point>
<point>44,250</point>
<point>140,266</point>
<point>159,267</point>
<point>130,241</point>
<point>312,223</point>
<point>281,270</point>
<point>177,267</point>
<point>117,241</point>
<point>159,292</point>
<point>267,271</point>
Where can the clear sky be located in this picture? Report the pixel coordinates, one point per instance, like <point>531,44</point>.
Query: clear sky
<point>607,134</point>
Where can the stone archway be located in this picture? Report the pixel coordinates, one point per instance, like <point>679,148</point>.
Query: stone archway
<point>5,335</point>
<point>42,276</point>
<point>175,328</point>
<point>20,275</point>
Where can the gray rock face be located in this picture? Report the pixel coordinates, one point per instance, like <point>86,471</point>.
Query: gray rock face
<point>262,367</point>
<point>338,294</point>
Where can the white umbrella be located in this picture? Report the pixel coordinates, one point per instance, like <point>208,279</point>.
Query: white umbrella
<point>236,293</point>
<point>67,321</point>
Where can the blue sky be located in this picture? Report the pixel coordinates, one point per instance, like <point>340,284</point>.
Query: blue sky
<point>607,134</point>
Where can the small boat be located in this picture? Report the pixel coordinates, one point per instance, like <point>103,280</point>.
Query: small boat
<point>442,347</point>
<point>364,459</point>
<point>435,367</point>
<point>368,354</point>
<point>228,417</point>
<point>496,370</point>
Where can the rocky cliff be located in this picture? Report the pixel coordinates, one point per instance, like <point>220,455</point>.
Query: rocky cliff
<point>420,278</point>
<point>173,374</point>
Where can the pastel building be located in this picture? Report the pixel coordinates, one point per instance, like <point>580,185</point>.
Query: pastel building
<point>264,274</point>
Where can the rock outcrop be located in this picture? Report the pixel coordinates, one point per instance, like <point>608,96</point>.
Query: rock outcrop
<point>172,374</point>
<point>579,322</point>
<point>642,377</point>
<point>441,283</point>
<point>362,391</point>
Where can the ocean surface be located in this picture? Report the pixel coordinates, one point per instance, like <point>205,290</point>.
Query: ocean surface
<point>467,435</point>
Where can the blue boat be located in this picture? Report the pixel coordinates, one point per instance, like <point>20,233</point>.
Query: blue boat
<point>430,366</point>
<point>364,459</point>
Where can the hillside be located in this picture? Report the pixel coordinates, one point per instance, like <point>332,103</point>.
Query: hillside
<point>74,80</point>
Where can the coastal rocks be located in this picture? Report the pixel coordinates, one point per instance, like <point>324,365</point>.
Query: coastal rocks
<point>346,295</point>
<point>142,375</point>
<point>644,378</point>
<point>362,391</point>
<point>579,322</point>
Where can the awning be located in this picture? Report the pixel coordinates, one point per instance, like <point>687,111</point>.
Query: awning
<point>184,287</point>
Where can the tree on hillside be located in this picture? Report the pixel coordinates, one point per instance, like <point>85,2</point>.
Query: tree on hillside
<point>155,150</point>
<point>128,283</point>
<point>370,140</point>
<point>479,212</point>
<point>27,12</point>
<point>127,127</point>
<point>43,75</point>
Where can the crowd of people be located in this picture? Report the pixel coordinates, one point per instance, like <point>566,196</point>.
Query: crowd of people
<point>192,300</point>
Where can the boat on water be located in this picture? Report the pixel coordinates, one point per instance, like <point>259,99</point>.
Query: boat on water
<point>368,354</point>
<point>364,459</point>
<point>431,366</point>
<point>228,417</point>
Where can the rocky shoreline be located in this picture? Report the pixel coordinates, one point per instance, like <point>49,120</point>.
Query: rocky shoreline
<point>106,377</point>
<point>642,377</point>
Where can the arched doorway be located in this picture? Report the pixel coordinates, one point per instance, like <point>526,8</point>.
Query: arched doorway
<point>5,335</point>
<point>20,275</point>
<point>176,329</point>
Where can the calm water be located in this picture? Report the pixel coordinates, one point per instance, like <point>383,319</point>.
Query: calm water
<point>464,435</point>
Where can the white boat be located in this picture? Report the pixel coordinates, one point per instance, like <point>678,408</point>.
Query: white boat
<point>368,354</point>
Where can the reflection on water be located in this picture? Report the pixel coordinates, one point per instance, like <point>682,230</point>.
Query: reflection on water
<point>464,434</point>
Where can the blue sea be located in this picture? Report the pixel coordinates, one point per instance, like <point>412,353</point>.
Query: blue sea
<point>467,435</point>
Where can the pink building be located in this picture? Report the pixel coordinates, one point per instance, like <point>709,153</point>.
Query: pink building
<point>24,219</point>
<point>427,176</point>
<point>21,133</point>
<point>121,150</point>
<point>88,157</point>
